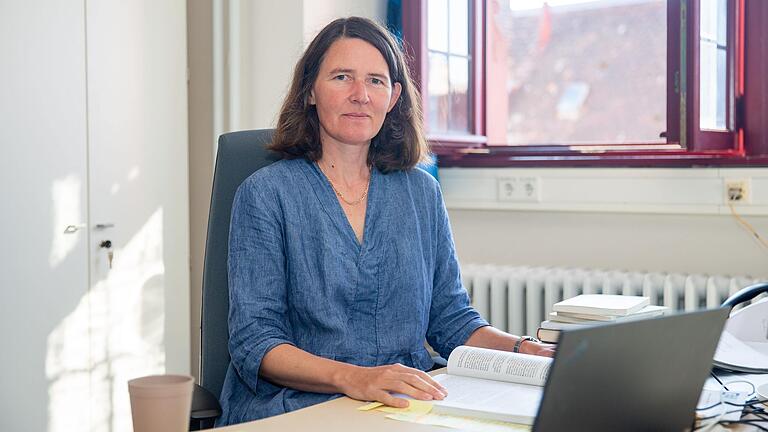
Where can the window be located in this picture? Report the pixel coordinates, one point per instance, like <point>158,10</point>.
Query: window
<point>577,72</point>
<point>448,66</point>
<point>713,65</point>
<point>595,82</point>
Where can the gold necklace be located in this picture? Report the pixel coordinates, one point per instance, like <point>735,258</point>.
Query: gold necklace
<point>341,196</point>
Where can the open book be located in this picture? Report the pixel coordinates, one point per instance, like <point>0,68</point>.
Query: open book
<point>492,384</point>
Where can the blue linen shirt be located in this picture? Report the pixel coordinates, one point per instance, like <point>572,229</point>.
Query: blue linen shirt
<point>299,276</point>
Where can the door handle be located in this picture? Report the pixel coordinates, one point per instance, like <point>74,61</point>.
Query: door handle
<point>71,229</point>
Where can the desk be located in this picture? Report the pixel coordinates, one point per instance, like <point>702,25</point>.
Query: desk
<point>340,415</point>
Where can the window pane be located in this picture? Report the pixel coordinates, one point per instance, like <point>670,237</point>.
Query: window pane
<point>713,17</point>
<point>458,120</point>
<point>437,25</point>
<point>438,93</point>
<point>459,27</point>
<point>576,71</point>
<point>713,64</point>
<point>448,85</point>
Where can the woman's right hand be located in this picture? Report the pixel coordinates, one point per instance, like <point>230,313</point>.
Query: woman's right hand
<point>376,384</point>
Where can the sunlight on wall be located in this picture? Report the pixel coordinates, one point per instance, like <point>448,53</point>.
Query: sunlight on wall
<point>65,195</point>
<point>133,174</point>
<point>121,320</point>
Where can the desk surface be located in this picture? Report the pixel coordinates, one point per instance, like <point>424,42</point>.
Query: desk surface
<point>340,415</point>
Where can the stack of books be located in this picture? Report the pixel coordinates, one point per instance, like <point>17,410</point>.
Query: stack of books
<point>592,309</point>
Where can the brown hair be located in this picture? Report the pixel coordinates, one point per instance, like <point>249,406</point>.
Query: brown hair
<point>400,143</point>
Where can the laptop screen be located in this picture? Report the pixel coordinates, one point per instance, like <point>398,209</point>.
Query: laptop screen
<point>643,375</point>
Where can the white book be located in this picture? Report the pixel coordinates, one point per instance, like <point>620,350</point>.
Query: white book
<point>602,304</point>
<point>649,311</point>
<point>556,325</point>
<point>491,384</point>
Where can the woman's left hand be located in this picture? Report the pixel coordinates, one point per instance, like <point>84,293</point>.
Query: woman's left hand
<point>493,338</point>
<point>538,348</point>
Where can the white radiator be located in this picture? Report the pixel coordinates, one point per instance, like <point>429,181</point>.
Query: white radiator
<point>517,299</point>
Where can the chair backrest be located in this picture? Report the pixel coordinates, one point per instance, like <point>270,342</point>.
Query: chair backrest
<point>239,155</point>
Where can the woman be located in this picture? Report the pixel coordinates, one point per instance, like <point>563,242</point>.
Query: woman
<point>341,257</point>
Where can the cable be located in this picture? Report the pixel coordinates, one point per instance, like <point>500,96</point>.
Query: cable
<point>752,386</point>
<point>747,226</point>
<point>753,407</point>
<point>717,379</point>
<point>748,408</point>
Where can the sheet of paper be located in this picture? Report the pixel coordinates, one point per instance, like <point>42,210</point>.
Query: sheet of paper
<point>712,399</point>
<point>457,422</point>
<point>733,351</point>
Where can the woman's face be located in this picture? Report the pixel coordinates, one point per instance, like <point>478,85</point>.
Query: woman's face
<point>353,92</point>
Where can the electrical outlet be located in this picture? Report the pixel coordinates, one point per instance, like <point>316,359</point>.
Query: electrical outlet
<point>518,189</point>
<point>529,187</point>
<point>737,191</point>
<point>508,189</point>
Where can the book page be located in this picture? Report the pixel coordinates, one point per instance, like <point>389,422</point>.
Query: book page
<point>472,397</point>
<point>499,365</point>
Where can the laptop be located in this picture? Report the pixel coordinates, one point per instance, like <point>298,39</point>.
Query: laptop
<point>644,375</point>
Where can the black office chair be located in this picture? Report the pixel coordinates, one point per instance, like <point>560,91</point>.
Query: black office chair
<point>239,155</point>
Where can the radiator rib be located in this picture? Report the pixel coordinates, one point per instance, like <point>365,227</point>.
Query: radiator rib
<point>518,299</point>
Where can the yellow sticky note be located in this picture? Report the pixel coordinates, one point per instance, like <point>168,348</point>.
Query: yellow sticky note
<point>370,406</point>
<point>414,407</point>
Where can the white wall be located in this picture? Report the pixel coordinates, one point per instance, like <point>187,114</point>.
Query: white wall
<point>318,13</point>
<point>268,58</point>
<point>669,243</point>
<point>663,219</point>
<point>201,139</point>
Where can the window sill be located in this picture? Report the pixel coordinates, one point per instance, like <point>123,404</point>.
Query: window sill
<point>635,161</point>
<point>596,156</point>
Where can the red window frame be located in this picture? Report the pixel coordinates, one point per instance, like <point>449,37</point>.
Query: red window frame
<point>415,44</point>
<point>746,145</point>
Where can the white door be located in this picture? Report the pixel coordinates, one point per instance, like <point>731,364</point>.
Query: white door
<point>137,117</point>
<point>93,132</point>
<point>44,366</point>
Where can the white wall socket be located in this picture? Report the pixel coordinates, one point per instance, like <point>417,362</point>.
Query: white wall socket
<point>519,189</point>
<point>738,191</point>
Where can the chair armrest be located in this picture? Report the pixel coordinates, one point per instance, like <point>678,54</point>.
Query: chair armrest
<point>205,409</point>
